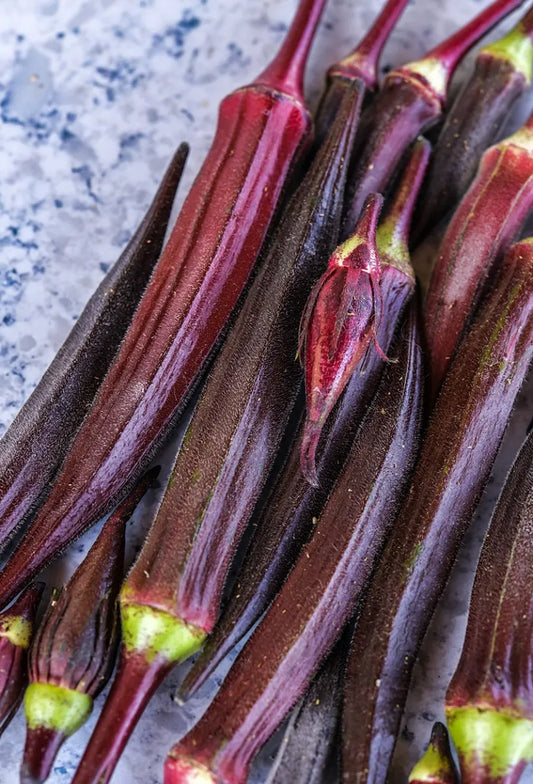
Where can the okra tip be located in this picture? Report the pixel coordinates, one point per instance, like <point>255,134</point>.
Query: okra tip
<point>436,766</point>
<point>180,770</point>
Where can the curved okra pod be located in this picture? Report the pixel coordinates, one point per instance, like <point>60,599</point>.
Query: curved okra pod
<point>458,451</point>
<point>436,766</point>
<point>36,443</point>
<point>262,132</point>
<point>411,99</point>
<point>501,74</point>
<point>225,460</point>
<point>286,521</point>
<point>308,615</point>
<point>483,227</point>
<point>72,655</point>
<point>489,703</point>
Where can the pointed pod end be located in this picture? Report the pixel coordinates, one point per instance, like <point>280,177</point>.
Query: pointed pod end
<point>182,770</point>
<point>436,766</point>
<point>310,439</point>
<point>40,750</point>
<point>492,745</point>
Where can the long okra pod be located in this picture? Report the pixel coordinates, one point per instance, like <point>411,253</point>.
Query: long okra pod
<point>489,703</point>
<point>287,519</point>
<point>361,63</point>
<point>436,765</point>
<point>263,129</point>
<point>225,460</point>
<point>483,227</point>
<point>501,74</point>
<point>457,454</point>
<point>320,593</point>
<point>411,99</point>
<point>36,443</point>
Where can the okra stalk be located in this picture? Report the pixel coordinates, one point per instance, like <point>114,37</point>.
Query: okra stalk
<point>502,72</point>
<point>436,766</point>
<point>36,443</point>
<point>319,596</point>
<point>225,460</point>
<point>411,99</point>
<point>286,521</point>
<point>362,63</point>
<point>16,630</point>
<point>489,703</point>
<point>263,129</point>
<point>74,649</point>
<point>459,448</point>
<point>483,227</point>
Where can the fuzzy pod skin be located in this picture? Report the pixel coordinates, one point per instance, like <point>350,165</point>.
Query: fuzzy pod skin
<point>411,99</point>
<point>308,749</point>
<point>459,448</point>
<point>502,72</point>
<point>262,132</point>
<point>362,63</point>
<point>483,227</point>
<point>307,616</point>
<point>489,703</point>
<point>16,630</point>
<point>287,520</point>
<point>226,458</point>
<point>73,652</point>
<point>436,766</point>
<point>37,441</point>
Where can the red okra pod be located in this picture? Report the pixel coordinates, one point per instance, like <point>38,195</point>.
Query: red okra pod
<point>489,703</point>
<point>362,63</point>
<point>502,72</point>
<point>483,227</point>
<point>436,765</point>
<point>411,99</point>
<point>263,130</point>
<point>286,521</point>
<point>226,458</point>
<point>459,448</point>
<point>320,594</point>
<point>73,652</point>
<point>16,631</point>
<point>36,443</point>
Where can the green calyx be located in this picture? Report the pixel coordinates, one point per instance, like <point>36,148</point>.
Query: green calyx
<point>17,630</point>
<point>429,766</point>
<point>156,633</point>
<point>392,247</point>
<point>516,48</point>
<point>490,741</point>
<point>433,71</point>
<point>56,708</point>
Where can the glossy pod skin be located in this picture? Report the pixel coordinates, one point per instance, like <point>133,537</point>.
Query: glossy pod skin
<point>36,443</point>
<point>436,766</point>
<point>307,616</point>
<point>228,451</point>
<point>73,653</point>
<point>286,521</point>
<point>489,703</point>
<point>483,227</point>
<point>410,100</point>
<point>16,631</point>
<point>263,130</point>
<point>502,72</point>
<point>361,64</point>
<point>459,448</point>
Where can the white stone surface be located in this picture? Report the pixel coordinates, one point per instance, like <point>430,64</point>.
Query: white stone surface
<point>94,97</point>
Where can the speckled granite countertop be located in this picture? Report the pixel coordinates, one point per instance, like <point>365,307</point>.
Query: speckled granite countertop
<point>94,97</point>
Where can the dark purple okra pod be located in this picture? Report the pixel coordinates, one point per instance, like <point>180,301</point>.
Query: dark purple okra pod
<point>411,99</point>
<point>459,448</point>
<point>227,454</point>
<point>73,652</point>
<point>361,63</point>
<point>501,74</point>
<point>489,703</point>
<point>16,630</point>
<point>286,522</point>
<point>436,765</point>
<point>309,613</point>
<point>36,443</point>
